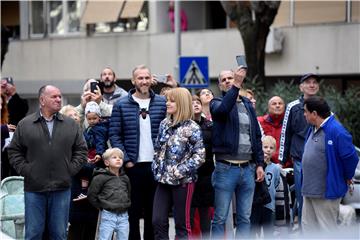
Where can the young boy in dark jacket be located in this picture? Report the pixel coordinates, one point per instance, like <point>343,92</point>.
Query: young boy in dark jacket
<point>109,191</point>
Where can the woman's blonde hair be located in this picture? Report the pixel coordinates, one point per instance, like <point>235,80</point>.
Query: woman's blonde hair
<point>112,151</point>
<point>65,109</point>
<point>183,100</point>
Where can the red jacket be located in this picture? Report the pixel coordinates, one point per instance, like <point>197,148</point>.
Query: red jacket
<point>272,126</point>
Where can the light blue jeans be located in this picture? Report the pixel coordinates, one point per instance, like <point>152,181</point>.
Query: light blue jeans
<point>114,222</point>
<point>51,207</point>
<point>227,180</point>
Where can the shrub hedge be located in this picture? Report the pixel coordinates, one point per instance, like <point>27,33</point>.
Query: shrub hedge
<point>346,106</point>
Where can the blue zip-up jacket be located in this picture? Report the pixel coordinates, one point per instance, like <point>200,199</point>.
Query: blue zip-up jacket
<point>124,132</point>
<point>97,136</point>
<point>293,132</point>
<point>225,135</point>
<point>341,158</point>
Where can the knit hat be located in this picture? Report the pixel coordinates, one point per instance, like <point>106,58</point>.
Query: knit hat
<point>92,107</point>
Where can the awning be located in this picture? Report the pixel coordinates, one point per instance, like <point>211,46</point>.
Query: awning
<point>101,11</point>
<point>132,9</point>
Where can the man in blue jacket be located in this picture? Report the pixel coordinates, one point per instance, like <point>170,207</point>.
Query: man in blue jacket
<point>134,126</point>
<point>328,165</point>
<point>236,140</point>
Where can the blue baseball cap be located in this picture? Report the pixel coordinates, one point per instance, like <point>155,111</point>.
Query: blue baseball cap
<point>309,75</point>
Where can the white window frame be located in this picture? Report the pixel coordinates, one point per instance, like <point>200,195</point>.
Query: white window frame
<point>65,18</point>
<point>47,27</point>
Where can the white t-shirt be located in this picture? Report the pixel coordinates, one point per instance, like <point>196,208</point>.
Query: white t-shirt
<point>146,147</point>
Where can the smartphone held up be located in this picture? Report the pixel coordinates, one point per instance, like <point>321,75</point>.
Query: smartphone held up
<point>161,78</point>
<point>241,61</point>
<point>93,86</point>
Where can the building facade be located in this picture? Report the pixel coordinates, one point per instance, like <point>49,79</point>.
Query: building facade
<point>66,42</point>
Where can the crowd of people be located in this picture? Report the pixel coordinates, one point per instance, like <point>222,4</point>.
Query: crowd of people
<point>122,156</point>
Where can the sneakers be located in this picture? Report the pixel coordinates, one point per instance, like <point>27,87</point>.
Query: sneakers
<point>80,197</point>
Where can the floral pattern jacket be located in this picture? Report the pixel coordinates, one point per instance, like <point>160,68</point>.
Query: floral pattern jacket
<point>179,152</point>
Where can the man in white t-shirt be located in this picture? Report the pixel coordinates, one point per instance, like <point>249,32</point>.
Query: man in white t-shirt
<point>134,126</point>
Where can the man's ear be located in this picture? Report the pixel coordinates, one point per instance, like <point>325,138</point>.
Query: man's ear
<point>301,87</point>
<point>41,100</point>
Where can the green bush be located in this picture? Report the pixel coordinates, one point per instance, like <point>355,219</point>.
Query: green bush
<point>346,106</point>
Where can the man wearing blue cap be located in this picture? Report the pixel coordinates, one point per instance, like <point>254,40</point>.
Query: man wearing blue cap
<point>294,130</point>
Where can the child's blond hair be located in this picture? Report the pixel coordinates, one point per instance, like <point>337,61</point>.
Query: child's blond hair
<point>269,139</point>
<point>111,151</point>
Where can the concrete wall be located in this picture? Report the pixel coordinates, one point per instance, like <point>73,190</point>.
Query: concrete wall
<point>67,62</point>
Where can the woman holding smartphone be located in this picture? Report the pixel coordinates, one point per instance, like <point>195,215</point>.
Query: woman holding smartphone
<point>179,152</point>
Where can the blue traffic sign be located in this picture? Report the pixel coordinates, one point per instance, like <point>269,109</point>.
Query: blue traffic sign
<point>194,72</point>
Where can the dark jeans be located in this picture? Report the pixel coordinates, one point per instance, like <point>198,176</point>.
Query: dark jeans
<point>51,208</point>
<point>167,196</point>
<point>262,217</point>
<point>142,196</point>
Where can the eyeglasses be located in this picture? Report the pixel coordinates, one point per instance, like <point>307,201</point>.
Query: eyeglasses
<point>143,112</point>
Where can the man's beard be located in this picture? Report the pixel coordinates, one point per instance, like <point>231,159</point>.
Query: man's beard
<point>108,84</point>
<point>138,89</point>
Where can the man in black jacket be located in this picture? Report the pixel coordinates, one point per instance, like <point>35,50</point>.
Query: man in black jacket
<point>293,132</point>
<point>47,149</point>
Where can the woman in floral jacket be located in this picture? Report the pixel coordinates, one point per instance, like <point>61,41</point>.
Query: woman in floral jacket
<point>179,151</point>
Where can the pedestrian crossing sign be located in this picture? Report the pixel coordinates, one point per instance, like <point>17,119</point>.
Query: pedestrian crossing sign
<point>194,72</point>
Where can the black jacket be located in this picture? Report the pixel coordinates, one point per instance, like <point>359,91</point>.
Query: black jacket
<point>293,132</point>
<point>225,134</point>
<point>47,164</point>
<point>17,108</point>
<point>110,192</point>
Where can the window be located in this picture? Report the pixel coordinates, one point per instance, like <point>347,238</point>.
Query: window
<point>37,19</point>
<point>10,18</point>
<point>55,17</point>
<point>56,23</point>
<point>74,9</point>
